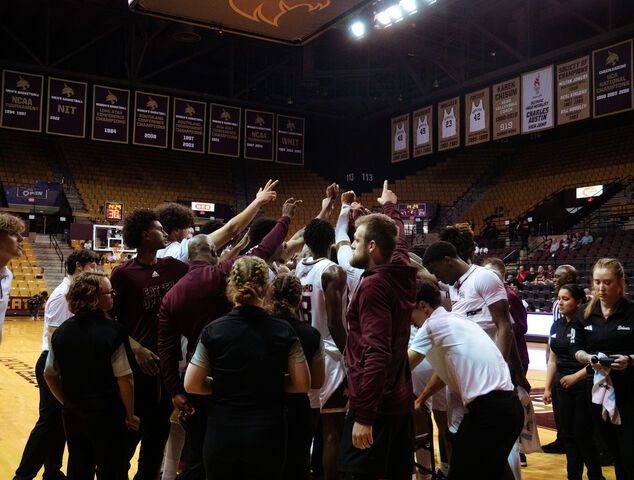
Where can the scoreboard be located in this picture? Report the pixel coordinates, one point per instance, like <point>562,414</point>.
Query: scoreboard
<point>113,212</point>
<point>413,210</point>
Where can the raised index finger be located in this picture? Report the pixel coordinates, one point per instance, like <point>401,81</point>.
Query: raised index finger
<point>385,185</point>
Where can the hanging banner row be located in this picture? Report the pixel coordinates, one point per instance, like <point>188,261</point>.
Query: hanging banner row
<point>66,113</point>
<point>523,104</point>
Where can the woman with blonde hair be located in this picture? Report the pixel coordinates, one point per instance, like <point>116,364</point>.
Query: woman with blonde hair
<point>605,328</point>
<point>241,361</point>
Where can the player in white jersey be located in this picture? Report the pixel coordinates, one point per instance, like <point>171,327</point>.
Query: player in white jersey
<point>422,131</point>
<point>400,138</point>
<point>177,220</point>
<point>323,306</point>
<point>342,239</point>
<point>477,121</point>
<point>448,123</point>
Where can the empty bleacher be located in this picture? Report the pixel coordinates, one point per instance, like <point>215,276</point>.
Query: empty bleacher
<point>28,278</point>
<point>23,159</point>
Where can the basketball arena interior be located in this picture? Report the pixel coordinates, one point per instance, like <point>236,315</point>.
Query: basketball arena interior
<point>510,119</point>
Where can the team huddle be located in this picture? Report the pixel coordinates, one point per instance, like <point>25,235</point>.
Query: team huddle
<point>248,356</point>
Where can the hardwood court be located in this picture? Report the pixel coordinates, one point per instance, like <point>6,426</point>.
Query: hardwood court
<point>21,346</point>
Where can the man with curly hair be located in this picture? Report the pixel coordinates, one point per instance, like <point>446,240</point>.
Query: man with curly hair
<point>177,219</point>
<point>11,240</point>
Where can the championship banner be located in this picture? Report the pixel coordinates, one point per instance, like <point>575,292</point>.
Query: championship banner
<point>506,108</point>
<point>290,140</point>
<point>477,129</point>
<point>189,125</point>
<point>258,135</point>
<point>224,130</point>
<point>537,100</point>
<point>400,138</point>
<point>573,90</point>
<point>21,101</point>
<point>66,109</point>
<point>150,119</point>
<point>110,114</point>
<point>449,124</point>
<point>612,67</point>
<point>423,123</point>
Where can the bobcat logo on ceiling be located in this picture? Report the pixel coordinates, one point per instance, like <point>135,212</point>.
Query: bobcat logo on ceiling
<point>68,91</point>
<point>270,11</point>
<point>111,98</point>
<point>189,110</point>
<point>290,126</point>
<point>225,115</point>
<point>22,84</point>
<point>612,59</point>
<point>259,121</point>
<point>151,103</point>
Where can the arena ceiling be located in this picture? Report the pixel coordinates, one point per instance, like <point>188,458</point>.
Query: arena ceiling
<point>446,48</point>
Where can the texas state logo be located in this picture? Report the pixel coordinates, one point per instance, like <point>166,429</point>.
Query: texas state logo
<point>270,11</point>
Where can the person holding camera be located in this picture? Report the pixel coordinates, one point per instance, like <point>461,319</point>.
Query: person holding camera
<point>605,327</point>
<point>569,380</point>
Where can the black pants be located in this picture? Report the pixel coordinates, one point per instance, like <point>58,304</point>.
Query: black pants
<point>556,415</point>
<point>45,445</point>
<point>153,405</point>
<point>96,442</point>
<point>300,433</point>
<point>485,437</point>
<point>576,421</point>
<point>391,454</point>
<point>195,430</point>
<point>244,452</point>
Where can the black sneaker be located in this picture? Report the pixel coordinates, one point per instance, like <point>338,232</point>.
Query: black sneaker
<point>523,462</point>
<point>554,447</point>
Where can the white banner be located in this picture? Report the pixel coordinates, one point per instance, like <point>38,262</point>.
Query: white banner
<point>537,100</point>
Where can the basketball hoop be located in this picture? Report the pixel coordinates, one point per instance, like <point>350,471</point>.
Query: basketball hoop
<point>116,252</point>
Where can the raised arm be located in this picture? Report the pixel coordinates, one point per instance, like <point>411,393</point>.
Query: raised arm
<point>334,282</point>
<point>238,223</point>
<point>276,236</point>
<point>388,200</point>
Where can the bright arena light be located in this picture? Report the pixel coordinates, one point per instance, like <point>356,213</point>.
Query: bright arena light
<point>408,5</point>
<point>358,29</point>
<point>383,18</point>
<point>395,13</point>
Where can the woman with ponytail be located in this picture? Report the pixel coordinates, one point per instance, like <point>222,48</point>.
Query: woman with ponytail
<point>242,361</point>
<point>285,296</point>
<point>606,325</point>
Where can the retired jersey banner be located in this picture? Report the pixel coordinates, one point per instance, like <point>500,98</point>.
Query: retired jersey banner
<point>189,125</point>
<point>400,138</point>
<point>224,130</point>
<point>150,119</point>
<point>21,101</point>
<point>258,135</point>
<point>612,68</point>
<point>422,124</point>
<point>66,112</point>
<point>290,140</point>
<point>573,90</point>
<point>477,129</point>
<point>110,114</point>
<point>506,108</point>
<point>537,100</point>
<point>449,124</point>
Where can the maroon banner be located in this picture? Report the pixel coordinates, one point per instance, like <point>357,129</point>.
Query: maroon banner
<point>150,119</point>
<point>110,114</point>
<point>613,78</point>
<point>224,130</point>
<point>290,140</point>
<point>188,125</point>
<point>21,101</point>
<point>66,108</point>
<point>258,135</point>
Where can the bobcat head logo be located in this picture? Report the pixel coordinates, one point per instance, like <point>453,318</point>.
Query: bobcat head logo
<point>151,103</point>
<point>612,59</point>
<point>270,11</point>
<point>22,84</point>
<point>189,110</point>
<point>225,115</point>
<point>259,121</point>
<point>290,126</point>
<point>68,91</point>
<point>111,98</point>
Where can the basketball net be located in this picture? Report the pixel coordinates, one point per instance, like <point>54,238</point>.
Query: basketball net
<point>116,252</point>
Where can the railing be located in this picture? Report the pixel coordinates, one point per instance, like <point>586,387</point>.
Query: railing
<point>53,244</point>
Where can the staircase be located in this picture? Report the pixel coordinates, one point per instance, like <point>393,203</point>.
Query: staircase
<point>47,257</point>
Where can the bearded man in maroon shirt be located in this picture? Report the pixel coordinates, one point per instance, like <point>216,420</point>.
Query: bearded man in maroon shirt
<point>378,436</point>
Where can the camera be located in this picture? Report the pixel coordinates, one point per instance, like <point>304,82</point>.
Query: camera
<point>606,362</point>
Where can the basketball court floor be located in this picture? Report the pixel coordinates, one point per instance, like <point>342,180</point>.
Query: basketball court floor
<point>21,346</point>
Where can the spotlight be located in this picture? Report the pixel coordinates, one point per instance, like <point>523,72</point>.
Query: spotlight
<point>383,18</point>
<point>408,5</point>
<point>395,13</point>
<point>358,29</point>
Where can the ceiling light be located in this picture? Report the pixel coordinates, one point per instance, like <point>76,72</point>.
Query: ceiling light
<point>408,5</point>
<point>395,13</point>
<point>358,29</point>
<point>383,18</point>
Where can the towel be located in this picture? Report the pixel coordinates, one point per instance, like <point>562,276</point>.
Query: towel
<point>603,393</point>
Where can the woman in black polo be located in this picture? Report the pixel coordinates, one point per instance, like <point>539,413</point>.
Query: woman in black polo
<point>569,379</point>
<point>247,353</point>
<point>606,325</point>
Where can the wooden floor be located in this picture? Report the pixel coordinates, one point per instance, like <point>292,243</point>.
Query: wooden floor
<point>21,346</point>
